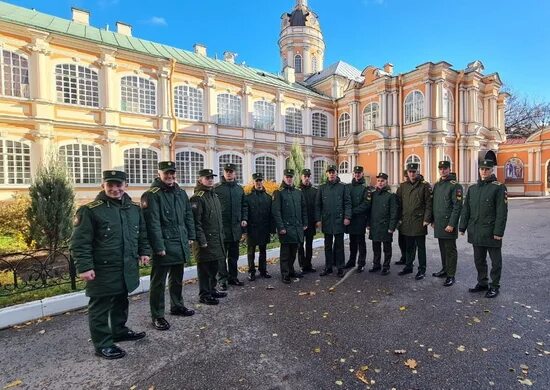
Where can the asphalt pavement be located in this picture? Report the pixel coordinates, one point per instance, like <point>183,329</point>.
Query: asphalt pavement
<point>369,331</point>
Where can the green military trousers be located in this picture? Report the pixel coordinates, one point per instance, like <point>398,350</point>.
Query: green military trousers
<point>158,287</point>
<point>447,249</point>
<point>480,259</point>
<point>107,318</point>
<point>207,272</point>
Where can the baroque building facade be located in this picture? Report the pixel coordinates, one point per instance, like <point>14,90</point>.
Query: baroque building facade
<point>105,99</point>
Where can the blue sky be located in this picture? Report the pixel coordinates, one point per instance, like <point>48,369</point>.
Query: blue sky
<point>510,37</point>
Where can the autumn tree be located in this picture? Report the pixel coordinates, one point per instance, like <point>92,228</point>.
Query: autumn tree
<point>296,161</point>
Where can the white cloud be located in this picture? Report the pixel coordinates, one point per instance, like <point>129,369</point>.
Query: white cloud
<point>157,21</point>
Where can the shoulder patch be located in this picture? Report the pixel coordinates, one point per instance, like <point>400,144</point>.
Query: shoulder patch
<point>453,181</point>
<point>153,190</point>
<point>95,203</point>
<point>136,204</point>
<point>199,194</point>
<point>497,183</point>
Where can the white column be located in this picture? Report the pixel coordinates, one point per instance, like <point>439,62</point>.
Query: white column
<point>428,103</point>
<point>439,98</point>
<point>281,164</point>
<point>290,57</point>
<point>396,168</point>
<point>39,83</point>
<point>306,60</point>
<point>427,163</point>
<point>378,161</point>
<point>462,169</point>
<point>384,154</point>
<point>164,147</point>
<point>395,108</point>
<point>500,118</point>
<point>307,157</point>
<point>538,171</point>
<point>112,157</point>
<point>211,157</point>
<point>210,102</point>
<point>383,109</point>
<point>279,113</point>
<point>248,163</point>
<point>306,118</point>
<point>246,107</point>
<point>474,152</point>
<point>462,107</point>
<point>353,114</point>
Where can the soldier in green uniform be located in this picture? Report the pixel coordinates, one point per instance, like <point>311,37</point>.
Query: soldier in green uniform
<point>208,247</point>
<point>108,242</point>
<point>415,198</point>
<point>447,205</point>
<point>231,196</point>
<point>333,214</point>
<point>360,193</point>
<point>400,237</point>
<point>290,215</point>
<point>257,214</point>
<point>484,215</point>
<point>170,229</point>
<point>384,214</point>
<point>310,192</point>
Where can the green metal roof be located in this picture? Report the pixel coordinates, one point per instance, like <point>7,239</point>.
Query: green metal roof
<point>28,17</point>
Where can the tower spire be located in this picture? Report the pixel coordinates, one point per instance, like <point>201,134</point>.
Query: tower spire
<point>301,3</point>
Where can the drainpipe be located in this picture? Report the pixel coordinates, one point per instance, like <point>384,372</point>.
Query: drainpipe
<point>172,110</point>
<point>457,123</point>
<point>335,127</point>
<point>400,118</point>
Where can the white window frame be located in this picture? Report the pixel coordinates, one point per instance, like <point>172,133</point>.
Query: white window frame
<point>413,107</point>
<point>234,158</point>
<point>293,120</point>
<point>413,158</point>
<point>81,174</point>
<point>14,74</point>
<point>77,85</point>
<point>448,105</point>
<point>138,95</point>
<point>188,164</point>
<point>319,124</point>
<point>343,167</point>
<point>298,63</point>
<point>188,102</point>
<point>264,115</point>
<point>266,165</point>
<point>142,167</point>
<point>480,110</point>
<point>229,109</point>
<point>344,125</point>
<point>319,171</point>
<point>15,163</point>
<point>371,113</point>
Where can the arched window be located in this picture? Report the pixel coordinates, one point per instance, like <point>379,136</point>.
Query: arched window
<point>319,167</point>
<point>15,162</point>
<point>293,120</point>
<point>343,167</point>
<point>414,107</point>
<point>264,115</point>
<point>480,111</point>
<point>76,84</point>
<point>370,116</point>
<point>137,94</point>
<point>413,158</point>
<point>229,110</point>
<point>140,164</point>
<point>233,159</point>
<point>14,74</point>
<point>513,169</point>
<point>314,64</point>
<point>298,63</point>
<point>267,166</point>
<point>319,124</point>
<point>344,123</point>
<point>188,102</point>
<point>448,105</point>
<point>83,162</point>
<point>188,165</point>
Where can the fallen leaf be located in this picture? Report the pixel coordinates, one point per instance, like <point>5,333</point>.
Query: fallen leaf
<point>133,387</point>
<point>14,383</point>
<point>275,335</point>
<point>362,377</point>
<point>339,383</point>
<point>523,367</point>
<point>476,320</point>
<point>516,336</point>
<point>271,306</point>
<point>411,363</point>
<point>402,308</point>
<point>332,289</point>
<point>227,341</point>
<point>458,301</point>
<point>400,351</point>
<point>484,349</point>
<point>354,350</point>
<point>42,331</point>
<point>526,382</point>
<point>377,370</point>
<point>461,348</point>
<point>314,332</point>
<point>436,356</point>
<point>304,293</point>
<point>318,350</point>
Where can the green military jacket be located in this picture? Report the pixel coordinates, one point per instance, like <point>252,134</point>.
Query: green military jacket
<point>290,214</point>
<point>360,195</point>
<point>447,205</point>
<point>485,212</point>
<point>109,236</point>
<point>207,210</point>
<point>415,201</point>
<point>384,215</point>
<point>310,192</point>
<point>257,214</point>
<point>169,221</point>
<point>231,196</point>
<point>332,206</point>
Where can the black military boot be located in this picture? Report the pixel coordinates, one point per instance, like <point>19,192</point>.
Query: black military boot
<point>478,288</point>
<point>440,274</point>
<point>326,272</point>
<point>492,292</point>
<point>113,352</point>
<point>449,281</point>
<point>375,268</point>
<point>252,276</point>
<point>349,264</point>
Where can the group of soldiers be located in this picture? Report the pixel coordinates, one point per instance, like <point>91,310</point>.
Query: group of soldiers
<point>113,235</point>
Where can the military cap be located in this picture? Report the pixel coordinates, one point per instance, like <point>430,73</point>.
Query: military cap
<point>257,176</point>
<point>229,167</point>
<point>487,164</point>
<point>118,176</point>
<point>357,169</point>
<point>206,173</point>
<point>412,167</point>
<point>331,167</point>
<point>166,166</point>
<point>289,172</point>
<point>382,175</point>
<point>444,164</point>
<point>306,172</point>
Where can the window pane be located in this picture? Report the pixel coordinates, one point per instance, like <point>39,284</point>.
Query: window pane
<point>76,84</point>
<point>140,165</point>
<point>15,162</point>
<point>234,159</point>
<point>188,165</point>
<point>188,102</point>
<point>229,110</point>
<point>319,125</point>
<point>267,166</point>
<point>83,162</point>
<point>293,120</point>
<point>264,115</point>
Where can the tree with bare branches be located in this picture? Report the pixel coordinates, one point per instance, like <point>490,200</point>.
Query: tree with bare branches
<point>525,116</point>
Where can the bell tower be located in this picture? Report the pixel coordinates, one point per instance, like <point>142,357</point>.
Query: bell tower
<point>301,43</point>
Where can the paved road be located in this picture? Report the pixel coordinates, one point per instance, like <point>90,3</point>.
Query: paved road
<point>262,338</point>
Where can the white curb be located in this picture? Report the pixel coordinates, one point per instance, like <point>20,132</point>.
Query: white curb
<point>60,304</point>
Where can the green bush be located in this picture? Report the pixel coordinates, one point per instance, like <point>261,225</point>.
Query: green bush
<point>14,225</point>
